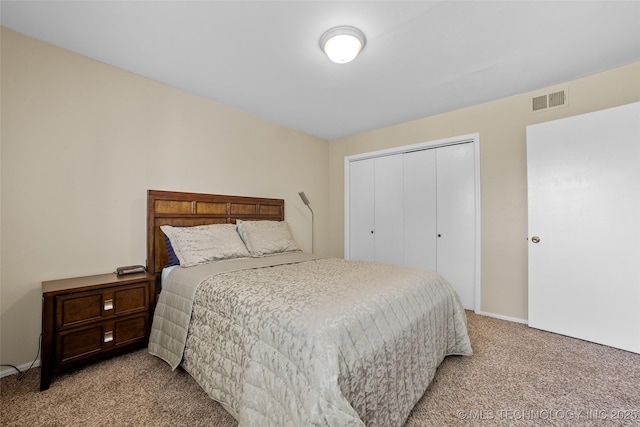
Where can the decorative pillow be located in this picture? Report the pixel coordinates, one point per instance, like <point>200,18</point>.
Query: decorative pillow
<point>266,237</point>
<point>205,243</point>
<point>171,254</point>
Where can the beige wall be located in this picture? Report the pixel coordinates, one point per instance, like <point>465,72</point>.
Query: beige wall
<point>501,125</point>
<point>82,142</point>
<point>73,205</point>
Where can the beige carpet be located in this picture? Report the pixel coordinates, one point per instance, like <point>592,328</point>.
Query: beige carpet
<point>518,376</point>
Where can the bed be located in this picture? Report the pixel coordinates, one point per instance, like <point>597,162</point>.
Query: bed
<point>285,338</point>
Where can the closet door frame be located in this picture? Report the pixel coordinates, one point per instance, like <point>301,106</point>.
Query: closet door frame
<point>462,139</point>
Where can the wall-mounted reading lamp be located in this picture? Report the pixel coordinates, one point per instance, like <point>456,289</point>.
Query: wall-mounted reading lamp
<point>306,201</point>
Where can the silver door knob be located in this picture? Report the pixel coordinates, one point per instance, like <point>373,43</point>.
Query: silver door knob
<point>535,239</point>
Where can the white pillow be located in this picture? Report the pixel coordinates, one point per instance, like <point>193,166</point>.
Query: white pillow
<point>205,243</point>
<point>266,237</point>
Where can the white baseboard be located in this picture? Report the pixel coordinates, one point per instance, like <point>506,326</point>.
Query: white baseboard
<point>501,317</point>
<point>10,371</point>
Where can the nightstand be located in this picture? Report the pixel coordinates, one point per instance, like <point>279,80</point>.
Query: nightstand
<point>85,319</point>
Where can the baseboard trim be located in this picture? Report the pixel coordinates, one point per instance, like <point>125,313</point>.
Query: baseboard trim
<point>501,317</point>
<point>10,371</point>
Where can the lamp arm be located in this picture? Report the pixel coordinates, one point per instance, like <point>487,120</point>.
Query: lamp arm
<point>306,201</point>
<point>312,227</point>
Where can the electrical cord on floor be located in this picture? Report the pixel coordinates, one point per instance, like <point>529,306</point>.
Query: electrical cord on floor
<point>22,374</point>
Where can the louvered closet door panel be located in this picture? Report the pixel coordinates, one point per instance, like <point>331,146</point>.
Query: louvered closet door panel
<point>420,209</point>
<point>361,210</point>
<point>388,207</point>
<point>456,219</point>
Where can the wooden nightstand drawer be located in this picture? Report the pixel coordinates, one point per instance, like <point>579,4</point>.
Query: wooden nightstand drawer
<point>84,342</point>
<point>78,308</point>
<point>85,319</point>
<point>82,307</point>
<point>129,330</point>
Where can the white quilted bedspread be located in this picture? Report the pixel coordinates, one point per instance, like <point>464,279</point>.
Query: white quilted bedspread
<point>324,342</point>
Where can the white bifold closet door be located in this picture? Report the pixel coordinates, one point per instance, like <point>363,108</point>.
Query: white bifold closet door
<point>456,219</point>
<point>420,211</point>
<point>584,226</point>
<point>388,245</point>
<point>439,215</point>
<point>417,208</point>
<point>375,195</point>
<point>362,210</point>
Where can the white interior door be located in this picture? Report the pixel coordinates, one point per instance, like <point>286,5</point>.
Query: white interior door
<point>584,211</point>
<point>456,224</point>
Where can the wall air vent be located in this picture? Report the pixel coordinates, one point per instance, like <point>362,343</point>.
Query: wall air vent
<point>556,99</point>
<point>539,103</point>
<point>550,101</point>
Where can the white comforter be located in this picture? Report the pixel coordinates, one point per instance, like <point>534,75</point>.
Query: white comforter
<point>309,341</point>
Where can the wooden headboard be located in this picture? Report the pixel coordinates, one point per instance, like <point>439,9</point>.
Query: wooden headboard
<point>189,209</point>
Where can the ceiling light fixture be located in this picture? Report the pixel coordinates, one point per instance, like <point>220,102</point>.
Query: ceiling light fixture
<point>342,44</point>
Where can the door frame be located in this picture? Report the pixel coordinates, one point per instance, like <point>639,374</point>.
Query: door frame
<point>474,139</point>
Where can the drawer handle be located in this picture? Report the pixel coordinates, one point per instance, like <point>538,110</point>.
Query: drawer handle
<point>108,304</point>
<point>108,336</point>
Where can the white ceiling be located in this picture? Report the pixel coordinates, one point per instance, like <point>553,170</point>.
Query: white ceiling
<point>422,57</point>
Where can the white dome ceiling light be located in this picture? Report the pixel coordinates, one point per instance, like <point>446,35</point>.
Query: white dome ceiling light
<point>342,44</point>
